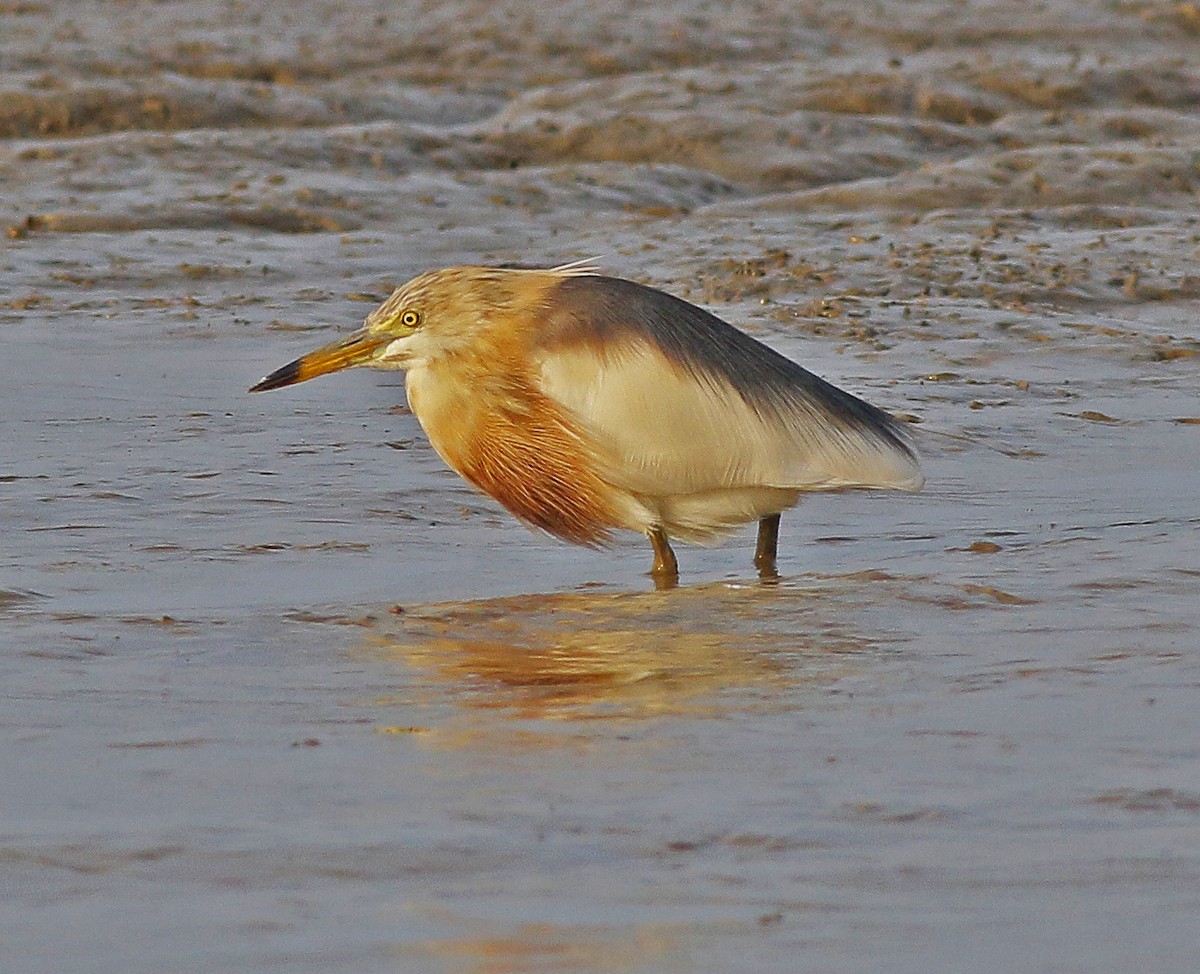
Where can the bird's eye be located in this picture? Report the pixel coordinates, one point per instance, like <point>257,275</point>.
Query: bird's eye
<point>410,319</point>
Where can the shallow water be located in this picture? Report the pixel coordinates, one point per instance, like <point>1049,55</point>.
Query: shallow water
<point>280,693</point>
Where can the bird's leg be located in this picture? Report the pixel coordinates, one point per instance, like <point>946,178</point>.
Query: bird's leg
<point>665,570</point>
<point>768,543</point>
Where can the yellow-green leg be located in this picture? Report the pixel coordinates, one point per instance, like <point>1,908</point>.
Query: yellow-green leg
<point>665,570</point>
<point>768,544</point>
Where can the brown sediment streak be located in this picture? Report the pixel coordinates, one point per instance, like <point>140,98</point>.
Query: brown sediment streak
<point>538,467</point>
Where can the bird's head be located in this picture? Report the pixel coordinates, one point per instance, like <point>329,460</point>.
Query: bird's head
<point>435,315</point>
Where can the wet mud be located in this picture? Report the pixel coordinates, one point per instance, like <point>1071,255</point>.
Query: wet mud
<point>280,693</point>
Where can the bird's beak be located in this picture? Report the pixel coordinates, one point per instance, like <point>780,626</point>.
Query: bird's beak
<point>357,349</point>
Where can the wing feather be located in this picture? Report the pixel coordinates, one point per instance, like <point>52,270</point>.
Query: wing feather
<point>680,402</point>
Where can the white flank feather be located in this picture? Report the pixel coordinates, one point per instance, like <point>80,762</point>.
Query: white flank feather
<point>696,453</point>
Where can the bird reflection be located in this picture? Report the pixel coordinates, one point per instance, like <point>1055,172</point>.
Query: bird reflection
<point>600,655</point>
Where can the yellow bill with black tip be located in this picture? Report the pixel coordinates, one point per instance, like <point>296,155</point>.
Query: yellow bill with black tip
<point>357,349</point>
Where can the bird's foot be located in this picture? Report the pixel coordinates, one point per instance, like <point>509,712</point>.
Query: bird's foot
<point>768,544</point>
<point>665,570</point>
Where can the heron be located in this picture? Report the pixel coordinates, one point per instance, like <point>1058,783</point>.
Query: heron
<point>587,404</point>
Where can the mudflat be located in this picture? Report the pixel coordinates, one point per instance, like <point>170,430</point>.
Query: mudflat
<point>278,692</point>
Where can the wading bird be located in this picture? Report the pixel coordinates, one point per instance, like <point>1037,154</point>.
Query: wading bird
<point>585,403</point>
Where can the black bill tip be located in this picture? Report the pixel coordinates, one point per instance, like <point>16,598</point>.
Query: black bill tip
<point>286,376</point>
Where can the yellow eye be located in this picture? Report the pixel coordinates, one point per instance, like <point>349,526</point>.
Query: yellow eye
<point>410,319</point>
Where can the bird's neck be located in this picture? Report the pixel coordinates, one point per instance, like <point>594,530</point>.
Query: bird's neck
<point>507,438</point>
